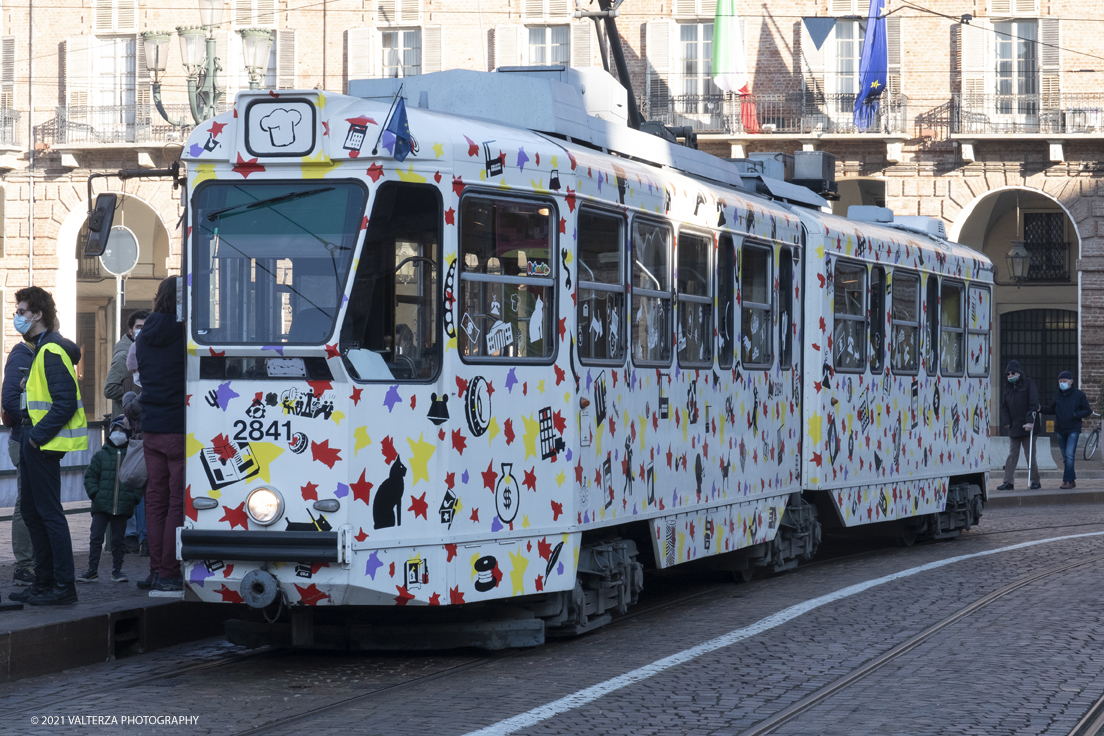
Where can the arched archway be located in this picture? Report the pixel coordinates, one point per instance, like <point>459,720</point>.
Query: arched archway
<point>87,293</point>
<point>1051,291</point>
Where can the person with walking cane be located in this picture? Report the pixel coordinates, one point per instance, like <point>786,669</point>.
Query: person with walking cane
<point>1019,414</point>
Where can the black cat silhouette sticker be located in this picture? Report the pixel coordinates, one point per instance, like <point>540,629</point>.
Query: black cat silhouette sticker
<point>387,508</point>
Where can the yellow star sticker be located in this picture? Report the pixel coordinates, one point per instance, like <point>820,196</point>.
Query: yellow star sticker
<point>501,185</point>
<point>540,386</point>
<point>517,575</point>
<point>263,453</point>
<point>816,427</point>
<point>316,167</point>
<point>438,150</point>
<point>192,347</point>
<point>203,172</point>
<point>337,416</point>
<point>409,176</point>
<point>193,445</point>
<point>419,461</point>
<point>524,521</point>
<point>362,440</point>
<point>492,429</point>
<point>538,185</point>
<point>321,103</point>
<point>214,494</point>
<point>532,431</point>
<point>561,478</point>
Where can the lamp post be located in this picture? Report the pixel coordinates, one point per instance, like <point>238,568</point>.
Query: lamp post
<point>201,64</point>
<point>1019,262</point>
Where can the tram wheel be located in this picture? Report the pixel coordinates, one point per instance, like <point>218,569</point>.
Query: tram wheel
<point>906,538</point>
<point>743,576</point>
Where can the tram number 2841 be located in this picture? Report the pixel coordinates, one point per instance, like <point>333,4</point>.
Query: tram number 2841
<point>256,431</point>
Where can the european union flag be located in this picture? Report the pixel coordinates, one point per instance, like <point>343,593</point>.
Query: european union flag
<point>400,128</point>
<point>872,67</point>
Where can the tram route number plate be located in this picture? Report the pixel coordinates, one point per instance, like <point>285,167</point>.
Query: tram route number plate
<point>286,368</point>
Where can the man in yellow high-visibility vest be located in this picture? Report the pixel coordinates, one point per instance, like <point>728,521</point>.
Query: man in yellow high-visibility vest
<point>53,424</point>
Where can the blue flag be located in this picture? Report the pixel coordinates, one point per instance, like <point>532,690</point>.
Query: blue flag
<point>400,128</point>
<point>872,67</point>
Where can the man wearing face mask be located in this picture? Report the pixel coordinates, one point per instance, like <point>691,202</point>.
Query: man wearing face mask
<point>112,502</point>
<point>1019,413</point>
<point>1069,407</point>
<point>120,380</point>
<point>53,424</point>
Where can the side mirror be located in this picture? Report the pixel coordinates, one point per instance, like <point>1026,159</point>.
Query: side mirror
<point>99,224</point>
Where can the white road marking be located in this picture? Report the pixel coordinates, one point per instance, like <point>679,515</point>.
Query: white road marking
<point>592,693</point>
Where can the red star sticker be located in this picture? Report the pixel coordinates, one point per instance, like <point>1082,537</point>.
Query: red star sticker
<point>236,517</point>
<point>403,596</point>
<point>489,477</point>
<point>560,374</point>
<point>455,596</point>
<point>557,509</point>
<point>189,507</point>
<point>375,172</point>
<point>544,549</point>
<point>217,353</point>
<point>361,535</point>
<point>355,398</point>
<point>332,351</point>
<point>309,491</point>
<point>530,481</point>
<point>216,128</point>
<point>387,447</point>
<point>361,120</point>
<point>450,216</point>
<point>579,472</point>
<point>508,432</point>
<point>475,515</point>
<point>310,595</point>
<point>539,582</point>
<point>435,599</point>
<point>450,480</point>
<point>364,223</point>
<point>570,199</point>
<point>563,226</point>
<point>473,149</point>
<point>459,443</point>
<point>362,489</point>
<point>229,595</point>
<point>325,128</point>
<point>419,506</point>
<point>669,456</point>
<point>457,185</point>
<point>245,168</point>
<point>451,549</point>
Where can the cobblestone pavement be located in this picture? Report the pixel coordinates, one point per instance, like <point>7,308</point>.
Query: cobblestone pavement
<point>1027,664</point>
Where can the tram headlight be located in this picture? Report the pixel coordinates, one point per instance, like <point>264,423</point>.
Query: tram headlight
<point>265,505</point>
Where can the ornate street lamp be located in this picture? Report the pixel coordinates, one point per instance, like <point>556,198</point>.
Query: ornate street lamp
<point>198,55</point>
<point>256,47</point>
<point>1019,262</point>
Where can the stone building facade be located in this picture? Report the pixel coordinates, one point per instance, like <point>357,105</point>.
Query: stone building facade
<point>994,125</point>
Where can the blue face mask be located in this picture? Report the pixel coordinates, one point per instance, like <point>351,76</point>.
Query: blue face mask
<point>1013,379</point>
<point>22,324</point>
<point>1064,386</point>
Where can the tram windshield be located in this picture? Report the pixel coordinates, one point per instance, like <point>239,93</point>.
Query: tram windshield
<point>271,259</point>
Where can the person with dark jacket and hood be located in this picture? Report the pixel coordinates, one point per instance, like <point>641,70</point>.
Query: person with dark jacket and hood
<point>1070,405</point>
<point>1019,413</point>
<point>19,362</point>
<point>162,350</point>
<point>113,502</point>
<point>53,424</point>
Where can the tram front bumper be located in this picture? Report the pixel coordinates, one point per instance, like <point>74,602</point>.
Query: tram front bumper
<point>266,546</point>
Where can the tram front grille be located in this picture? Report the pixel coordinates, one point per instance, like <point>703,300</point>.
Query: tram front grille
<point>219,544</point>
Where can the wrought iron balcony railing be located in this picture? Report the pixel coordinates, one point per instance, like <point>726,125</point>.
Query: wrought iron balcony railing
<point>112,124</point>
<point>10,129</point>
<point>1049,262</point>
<point>1056,114</point>
<point>790,113</point>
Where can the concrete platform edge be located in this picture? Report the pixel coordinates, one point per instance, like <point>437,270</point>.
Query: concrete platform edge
<point>1013,500</point>
<point>102,637</point>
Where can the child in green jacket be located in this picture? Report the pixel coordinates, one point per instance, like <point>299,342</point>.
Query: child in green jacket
<point>113,502</point>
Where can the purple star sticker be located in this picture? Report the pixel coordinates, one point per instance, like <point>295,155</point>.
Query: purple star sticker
<point>511,380</point>
<point>195,150</point>
<point>586,517</point>
<point>464,478</point>
<point>224,394</point>
<point>559,569</point>
<point>373,565</point>
<point>277,348</point>
<point>522,159</point>
<point>496,525</point>
<point>392,398</point>
<point>342,490</point>
<point>199,574</point>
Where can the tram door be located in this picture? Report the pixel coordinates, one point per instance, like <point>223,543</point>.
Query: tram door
<point>790,313</point>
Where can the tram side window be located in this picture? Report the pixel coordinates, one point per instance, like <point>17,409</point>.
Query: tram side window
<point>877,319</point>
<point>849,313</point>
<point>726,301</point>
<point>905,313</point>
<point>695,307</point>
<point>931,340</point>
<point>392,324</point>
<point>786,320</point>
<point>952,333</point>
<point>978,325</point>
<point>651,296</point>
<point>601,287</point>
<point>755,318</point>
<point>506,280</point>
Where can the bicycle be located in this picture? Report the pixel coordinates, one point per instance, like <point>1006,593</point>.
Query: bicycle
<point>1092,442</point>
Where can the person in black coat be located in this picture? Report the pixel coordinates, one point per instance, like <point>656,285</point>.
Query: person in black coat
<point>19,361</point>
<point>1019,413</point>
<point>1070,405</point>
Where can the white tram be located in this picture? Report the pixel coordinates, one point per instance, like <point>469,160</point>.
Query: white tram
<point>540,354</point>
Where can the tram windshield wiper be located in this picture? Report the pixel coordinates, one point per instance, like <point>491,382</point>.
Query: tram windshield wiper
<point>267,202</point>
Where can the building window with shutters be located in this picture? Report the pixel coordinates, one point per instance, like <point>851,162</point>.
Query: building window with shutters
<point>696,59</point>
<point>550,45</point>
<point>402,53</point>
<point>1017,67</point>
<point>849,42</point>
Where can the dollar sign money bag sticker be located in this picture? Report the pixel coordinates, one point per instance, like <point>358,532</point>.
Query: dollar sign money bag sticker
<point>507,496</point>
